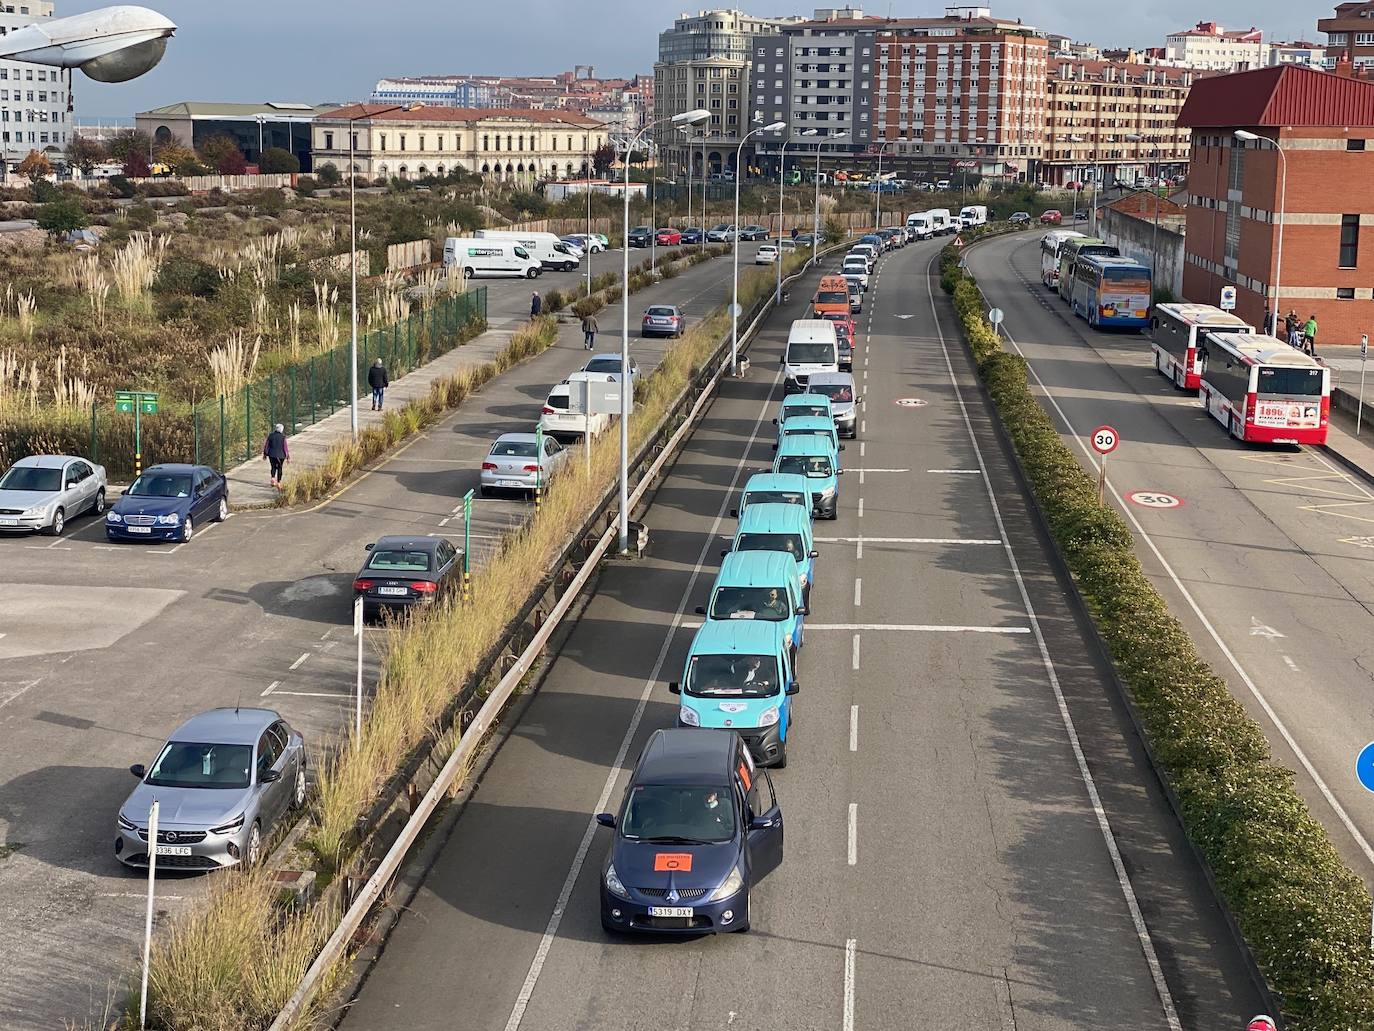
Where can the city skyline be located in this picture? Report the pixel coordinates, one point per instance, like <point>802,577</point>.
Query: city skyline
<point>249,64</point>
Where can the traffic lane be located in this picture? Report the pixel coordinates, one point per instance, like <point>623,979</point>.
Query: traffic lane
<point>1279,583</point>
<point>477,905</point>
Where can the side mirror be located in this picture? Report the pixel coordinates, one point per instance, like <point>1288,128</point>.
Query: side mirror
<point>802,610</point>
<point>813,553</point>
<point>724,552</point>
<point>734,513</point>
<point>761,823</point>
<point>793,687</point>
<point>674,687</point>
<point>269,776</point>
<point>839,472</point>
<point>701,610</point>
<point>775,447</point>
<point>369,547</point>
<point>841,447</point>
<point>859,400</point>
<point>139,770</point>
<point>606,819</point>
<point>775,422</point>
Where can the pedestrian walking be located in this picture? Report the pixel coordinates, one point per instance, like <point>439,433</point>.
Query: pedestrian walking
<point>536,305</point>
<point>378,380</point>
<point>795,232</point>
<point>1309,335</point>
<point>276,452</point>
<point>1290,328</point>
<point>589,328</point>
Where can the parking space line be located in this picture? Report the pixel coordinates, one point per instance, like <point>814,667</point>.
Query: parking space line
<point>297,663</point>
<point>961,472</point>
<point>853,833</point>
<point>313,694</point>
<point>270,688</point>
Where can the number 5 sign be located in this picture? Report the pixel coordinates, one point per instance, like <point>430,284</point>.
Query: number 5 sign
<point>1104,440</point>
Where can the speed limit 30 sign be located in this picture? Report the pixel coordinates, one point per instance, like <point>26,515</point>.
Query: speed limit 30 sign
<point>1105,439</point>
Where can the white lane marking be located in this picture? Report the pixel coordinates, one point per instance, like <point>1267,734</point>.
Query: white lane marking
<point>923,628</point>
<point>906,540</point>
<point>854,659</point>
<point>313,694</point>
<point>853,728</point>
<point>21,688</point>
<point>1147,945</point>
<point>270,688</point>
<point>45,547</point>
<point>297,663</point>
<point>1258,629</point>
<point>862,448</point>
<point>861,508</point>
<point>862,474</point>
<point>849,949</point>
<point>541,953</point>
<point>859,551</point>
<point>1288,661</point>
<point>328,645</point>
<point>326,633</point>
<point>962,472</point>
<point>863,425</point>
<point>137,895</point>
<point>861,471</point>
<point>853,833</point>
<point>444,521</point>
<point>858,593</point>
<point>1187,596</point>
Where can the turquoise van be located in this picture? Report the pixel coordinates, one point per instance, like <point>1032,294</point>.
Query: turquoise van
<point>782,528</point>
<point>804,404</point>
<point>781,488</point>
<point>811,425</point>
<point>813,457</point>
<point>739,677</point>
<point>761,585</point>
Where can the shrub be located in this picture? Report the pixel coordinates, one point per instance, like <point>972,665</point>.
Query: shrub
<point>328,174</point>
<point>187,276</point>
<point>278,160</point>
<point>60,217</point>
<point>121,187</point>
<point>305,186</point>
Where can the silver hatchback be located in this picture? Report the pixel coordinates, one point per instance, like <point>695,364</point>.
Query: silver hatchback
<point>42,492</point>
<point>223,781</point>
<point>513,463</point>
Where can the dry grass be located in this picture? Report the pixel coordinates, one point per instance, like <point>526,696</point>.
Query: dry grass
<point>135,267</point>
<point>233,362</point>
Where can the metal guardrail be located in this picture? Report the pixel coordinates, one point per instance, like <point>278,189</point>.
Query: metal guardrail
<point>486,717</point>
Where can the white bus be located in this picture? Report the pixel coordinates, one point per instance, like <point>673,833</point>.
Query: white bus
<point>1264,390</point>
<point>1049,255</point>
<point>1174,333</point>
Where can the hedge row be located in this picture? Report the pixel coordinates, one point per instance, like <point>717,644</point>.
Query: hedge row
<point>1304,913</point>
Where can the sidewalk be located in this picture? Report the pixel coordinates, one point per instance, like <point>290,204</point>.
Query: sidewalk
<point>248,486</point>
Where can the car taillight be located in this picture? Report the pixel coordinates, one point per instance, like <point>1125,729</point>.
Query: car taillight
<point>550,411</point>
<point>1326,409</point>
<point>423,586</point>
<point>1250,408</point>
<point>491,466</point>
<point>531,468</point>
<point>363,585</point>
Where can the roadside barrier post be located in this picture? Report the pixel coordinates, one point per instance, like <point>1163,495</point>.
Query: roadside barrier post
<point>148,919</point>
<point>1364,353</point>
<point>467,546</point>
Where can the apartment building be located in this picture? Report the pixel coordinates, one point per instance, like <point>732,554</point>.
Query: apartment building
<point>1239,192</point>
<point>1298,52</point>
<point>577,90</point>
<point>529,145</point>
<point>1350,36</point>
<point>35,101</point>
<point>1210,47</point>
<point>1112,121</point>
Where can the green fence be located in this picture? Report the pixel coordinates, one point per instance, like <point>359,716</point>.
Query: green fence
<point>228,430</point>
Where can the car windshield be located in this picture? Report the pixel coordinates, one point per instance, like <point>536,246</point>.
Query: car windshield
<point>185,764</point>
<point>839,393</point>
<point>803,351</point>
<point>732,676</point>
<point>687,815</point>
<point>514,449</point>
<point>399,560</point>
<point>763,497</point>
<point>806,409</point>
<point>767,603</point>
<point>603,365</point>
<point>791,543</point>
<point>641,229</point>
<point>161,485</point>
<point>833,297</point>
<point>816,467</point>
<point>28,477</point>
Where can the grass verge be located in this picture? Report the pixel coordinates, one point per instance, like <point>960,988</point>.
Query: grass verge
<point>1304,913</point>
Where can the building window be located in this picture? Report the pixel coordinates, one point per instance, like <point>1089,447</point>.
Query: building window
<point>1354,144</point>
<point>381,142</point>
<point>329,141</point>
<point>1345,293</point>
<point>1350,241</point>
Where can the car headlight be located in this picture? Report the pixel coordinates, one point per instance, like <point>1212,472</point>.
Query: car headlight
<point>113,517</point>
<point>30,513</point>
<point>126,824</point>
<point>613,884</point>
<point>689,716</point>
<point>769,716</point>
<point>803,577</point>
<point>229,828</point>
<point>828,492</point>
<point>171,519</point>
<point>728,887</point>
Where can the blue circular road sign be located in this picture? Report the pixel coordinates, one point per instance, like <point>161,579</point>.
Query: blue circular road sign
<point>1364,766</point>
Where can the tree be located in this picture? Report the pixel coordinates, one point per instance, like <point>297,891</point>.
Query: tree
<point>136,165</point>
<point>328,174</point>
<point>602,159</point>
<point>278,160</point>
<point>60,217</point>
<point>174,154</point>
<point>35,167</point>
<point>223,155</point>
<point>130,141</point>
<point>85,153</point>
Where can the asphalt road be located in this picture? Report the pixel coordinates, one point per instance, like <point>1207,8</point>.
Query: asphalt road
<point>105,649</point>
<point>973,840</point>
<point>1267,560</point>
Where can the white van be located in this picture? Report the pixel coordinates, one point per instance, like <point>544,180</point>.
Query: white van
<point>920,223</point>
<point>974,215</point>
<point>551,251</point>
<point>490,258</point>
<point>812,346</point>
<point>941,222</point>
<point>560,422</point>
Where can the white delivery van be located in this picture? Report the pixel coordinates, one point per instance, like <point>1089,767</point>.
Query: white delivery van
<point>812,346</point>
<point>974,215</point>
<point>490,258</point>
<point>920,222</point>
<point>941,222</point>
<point>558,419</point>
<point>552,252</point>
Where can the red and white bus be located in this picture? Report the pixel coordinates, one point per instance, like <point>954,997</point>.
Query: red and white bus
<point>1049,254</point>
<point>1174,333</point>
<point>1263,390</point>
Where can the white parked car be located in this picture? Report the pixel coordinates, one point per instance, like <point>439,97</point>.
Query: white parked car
<point>766,254</point>
<point>559,420</point>
<point>609,364</point>
<point>514,463</point>
<point>42,492</point>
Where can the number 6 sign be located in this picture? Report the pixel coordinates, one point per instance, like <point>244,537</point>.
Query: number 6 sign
<point>1105,439</point>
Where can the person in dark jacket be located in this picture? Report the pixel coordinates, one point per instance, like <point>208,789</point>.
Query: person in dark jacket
<point>589,328</point>
<point>276,452</point>
<point>536,305</point>
<point>377,379</point>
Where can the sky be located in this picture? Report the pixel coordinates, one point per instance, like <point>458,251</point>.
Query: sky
<point>313,51</point>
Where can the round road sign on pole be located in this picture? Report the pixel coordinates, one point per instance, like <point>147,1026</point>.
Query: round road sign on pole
<point>1364,766</point>
<point>995,316</point>
<point>1105,439</point>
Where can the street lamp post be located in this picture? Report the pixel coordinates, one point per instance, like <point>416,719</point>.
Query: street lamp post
<point>587,147</point>
<point>1245,136</point>
<point>695,117</point>
<point>816,215</point>
<point>878,184</point>
<point>734,298</point>
<point>353,248</point>
<point>782,178</point>
<point>687,136</point>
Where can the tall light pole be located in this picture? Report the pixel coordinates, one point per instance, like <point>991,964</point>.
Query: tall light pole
<point>696,117</point>
<point>878,184</point>
<point>734,299</point>
<point>782,174</point>
<point>353,247</point>
<point>587,147</point>
<point>816,215</point>
<point>1245,137</point>
<point>688,138</point>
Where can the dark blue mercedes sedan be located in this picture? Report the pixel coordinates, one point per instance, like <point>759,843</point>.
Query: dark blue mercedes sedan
<point>698,828</point>
<point>167,503</point>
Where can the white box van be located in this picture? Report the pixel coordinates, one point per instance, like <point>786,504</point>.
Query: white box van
<point>941,222</point>
<point>560,421</point>
<point>552,252</point>
<point>974,215</point>
<point>812,346</point>
<point>490,258</point>
<point>920,222</point>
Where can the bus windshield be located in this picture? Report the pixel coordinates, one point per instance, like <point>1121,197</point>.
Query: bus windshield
<point>1289,382</point>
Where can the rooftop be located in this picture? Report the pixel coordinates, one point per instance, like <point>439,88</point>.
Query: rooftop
<point>1282,95</point>
<point>1212,30</point>
<point>461,114</point>
<point>209,109</point>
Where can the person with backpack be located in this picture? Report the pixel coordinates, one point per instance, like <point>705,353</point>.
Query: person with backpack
<point>276,451</point>
<point>378,380</point>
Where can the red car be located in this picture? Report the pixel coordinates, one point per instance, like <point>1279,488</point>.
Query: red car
<point>843,323</point>
<point>668,237</point>
<point>1052,217</point>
